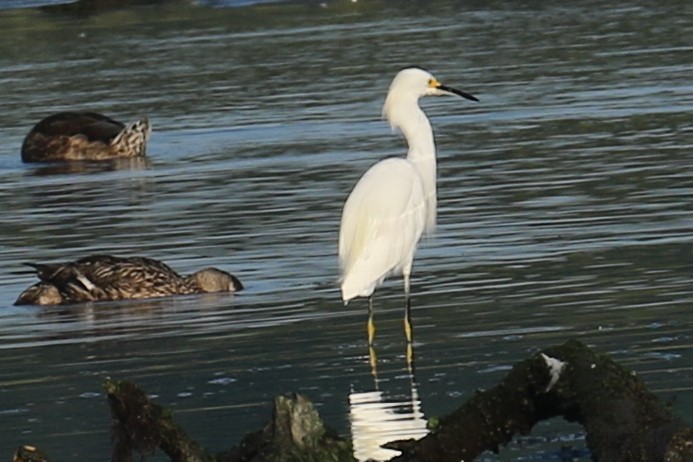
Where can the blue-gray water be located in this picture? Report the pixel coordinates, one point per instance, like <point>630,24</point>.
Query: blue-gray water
<point>565,200</point>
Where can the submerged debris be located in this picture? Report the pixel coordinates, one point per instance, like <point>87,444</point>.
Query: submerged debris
<point>624,421</point>
<point>28,453</point>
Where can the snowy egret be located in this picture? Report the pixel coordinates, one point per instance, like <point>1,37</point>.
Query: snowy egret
<point>69,136</point>
<point>105,277</point>
<point>394,202</point>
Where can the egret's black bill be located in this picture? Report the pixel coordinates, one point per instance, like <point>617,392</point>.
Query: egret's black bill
<point>461,93</point>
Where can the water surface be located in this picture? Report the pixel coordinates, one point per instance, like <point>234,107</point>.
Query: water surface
<point>564,210</point>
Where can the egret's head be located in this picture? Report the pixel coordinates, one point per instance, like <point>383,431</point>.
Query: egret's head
<point>216,280</point>
<point>412,83</point>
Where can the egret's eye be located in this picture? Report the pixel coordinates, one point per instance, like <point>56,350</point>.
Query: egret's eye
<point>431,82</point>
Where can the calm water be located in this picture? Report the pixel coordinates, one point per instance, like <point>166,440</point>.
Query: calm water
<point>565,210</point>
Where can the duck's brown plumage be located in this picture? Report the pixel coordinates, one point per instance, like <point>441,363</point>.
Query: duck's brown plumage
<point>105,277</point>
<point>69,136</point>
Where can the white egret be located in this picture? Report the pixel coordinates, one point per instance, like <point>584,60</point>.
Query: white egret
<point>394,202</point>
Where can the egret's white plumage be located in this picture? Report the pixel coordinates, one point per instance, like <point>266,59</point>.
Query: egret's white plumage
<point>382,221</point>
<point>394,202</point>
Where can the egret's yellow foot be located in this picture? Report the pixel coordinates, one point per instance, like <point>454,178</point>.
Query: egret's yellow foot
<point>408,331</point>
<point>373,361</point>
<point>371,330</point>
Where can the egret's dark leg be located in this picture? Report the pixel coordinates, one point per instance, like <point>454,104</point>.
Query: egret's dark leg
<point>409,332</point>
<point>407,308</point>
<point>372,358</point>
<point>371,325</point>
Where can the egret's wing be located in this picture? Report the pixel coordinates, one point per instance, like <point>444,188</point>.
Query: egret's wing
<point>382,222</point>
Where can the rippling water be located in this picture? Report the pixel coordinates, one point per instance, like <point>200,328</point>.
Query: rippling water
<point>564,209</point>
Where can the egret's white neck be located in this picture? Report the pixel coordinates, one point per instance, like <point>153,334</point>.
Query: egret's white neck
<point>410,119</point>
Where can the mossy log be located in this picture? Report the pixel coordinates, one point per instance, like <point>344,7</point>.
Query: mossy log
<point>295,433</point>
<point>624,422</point>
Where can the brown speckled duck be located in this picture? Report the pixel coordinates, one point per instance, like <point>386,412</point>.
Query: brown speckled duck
<point>67,136</point>
<point>105,277</point>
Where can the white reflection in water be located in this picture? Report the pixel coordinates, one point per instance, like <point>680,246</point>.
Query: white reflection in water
<point>377,419</point>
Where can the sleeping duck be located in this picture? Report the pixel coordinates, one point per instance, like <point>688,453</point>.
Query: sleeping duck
<point>105,277</point>
<point>69,136</point>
